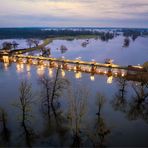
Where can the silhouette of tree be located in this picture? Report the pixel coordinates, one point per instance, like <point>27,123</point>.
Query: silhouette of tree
<point>5,133</point>
<point>14,45</point>
<point>29,42</point>
<point>145,66</point>
<point>25,106</point>
<point>119,102</point>
<point>77,109</point>
<point>6,45</point>
<point>126,42</point>
<point>100,130</point>
<point>36,42</point>
<point>138,107</point>
<point>63,49</point>
<point>52,89</point>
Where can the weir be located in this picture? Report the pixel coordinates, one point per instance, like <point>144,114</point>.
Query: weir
<point>132,72</point>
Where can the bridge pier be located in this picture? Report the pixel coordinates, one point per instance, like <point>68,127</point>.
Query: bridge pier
<point>6,59</point>
<point>93,69</point>
<point>29,61</point>
<point>78,67</point>
<point>51,64</point>
<point>64,65</point>
<point>40,62</point>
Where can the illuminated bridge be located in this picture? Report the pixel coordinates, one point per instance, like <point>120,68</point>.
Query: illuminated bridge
<point>111,70</point>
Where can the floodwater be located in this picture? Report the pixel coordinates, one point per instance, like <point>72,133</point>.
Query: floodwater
<point>136,53</point>
<point>90,112</point>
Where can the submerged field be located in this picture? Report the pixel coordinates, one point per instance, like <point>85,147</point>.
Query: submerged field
<point>85,111</point>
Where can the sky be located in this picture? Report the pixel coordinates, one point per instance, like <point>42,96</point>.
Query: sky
<point>74,13</point>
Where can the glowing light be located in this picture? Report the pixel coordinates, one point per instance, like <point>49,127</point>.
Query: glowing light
<point>19,68</point>
<point>78,75</point>
<point>22,66</point>
<point>50,72</point>
<point>110,80</point>
<point>69,69</point>
<point>75,69</point>
<point>40,70</point>
<point>6,59</point>
<point>34,62</point>
<point>6,66</point>
<point>92,78</point>
<point>105,72</point>
<point>28,74</point>
<point>45,64</point>
<point>116,73</point>
<point>63,73</point>
<point>123,75</point>
<point>24,61</point>
<point>28,67</point>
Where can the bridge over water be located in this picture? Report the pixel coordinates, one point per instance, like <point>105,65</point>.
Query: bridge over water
<point>135,73</point>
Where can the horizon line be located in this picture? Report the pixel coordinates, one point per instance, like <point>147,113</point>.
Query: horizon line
<point>93,27</point>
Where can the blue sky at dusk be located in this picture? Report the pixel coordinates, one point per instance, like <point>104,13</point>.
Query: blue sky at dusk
<point>99,13</point>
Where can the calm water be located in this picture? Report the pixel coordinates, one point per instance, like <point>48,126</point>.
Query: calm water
<point>135,53</point>
<point>123,118</point>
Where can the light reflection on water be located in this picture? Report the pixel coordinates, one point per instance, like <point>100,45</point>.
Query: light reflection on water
<point>121,131</point>
<point>99,50</point>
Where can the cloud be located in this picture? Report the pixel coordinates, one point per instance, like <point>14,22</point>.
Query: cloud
<point>71,11</point>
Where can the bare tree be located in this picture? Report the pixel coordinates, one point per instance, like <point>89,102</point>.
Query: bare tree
<point>77,109</point>
<point>52,89</point>
<point>25,106</point>
<point>6,45</point>
<point>36,42</point>
<point>126,42</point>
<point>63,49</point>
<point>138,106</point>
<point>30,42</point>
<point>99,133</point>
<point>5,131</point>
<point>14,44</point>
<point>119,101</point>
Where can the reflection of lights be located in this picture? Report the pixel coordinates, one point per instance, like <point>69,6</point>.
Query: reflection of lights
<point>123,75</point>
<point>116,73</point>
<point>50,72</point>
<point>69,69</point>
<point>78,75</point>
<point>19,68</point>
<point>6,66</point>
<point>34,62</point>
<point>45,64</point>
<point>40,70</point>
<point>110,79</point>
<point>63,73</point>
<point>28,74</point>
<point>92,78</point>
<point>28,67</point>
<point>75,69</point>
<point>6,59</point>
<point>24,61</point>
<point>22,66</point>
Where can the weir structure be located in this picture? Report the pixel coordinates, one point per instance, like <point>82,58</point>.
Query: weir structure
<point>134,73</point>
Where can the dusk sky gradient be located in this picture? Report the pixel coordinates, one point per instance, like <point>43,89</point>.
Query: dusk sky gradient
<point>60,13</point>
